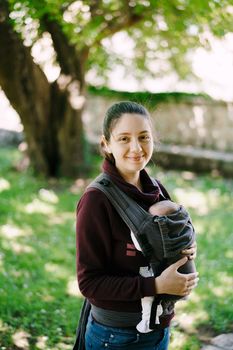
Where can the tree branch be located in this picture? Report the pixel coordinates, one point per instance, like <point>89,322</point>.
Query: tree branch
<point>70,60</point>
<point>94,7</point>
<point>123,21</point>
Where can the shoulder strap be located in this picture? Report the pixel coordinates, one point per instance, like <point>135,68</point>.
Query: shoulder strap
<point>132,214</point>
<point>81,329</point>
<point>135,217</point>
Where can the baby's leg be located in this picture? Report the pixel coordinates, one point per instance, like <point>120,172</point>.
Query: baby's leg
<point>144,325</point>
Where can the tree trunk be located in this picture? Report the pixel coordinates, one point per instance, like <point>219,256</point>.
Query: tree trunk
<point>51,116</point>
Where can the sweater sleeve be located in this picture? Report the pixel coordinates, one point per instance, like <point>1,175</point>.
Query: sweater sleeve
<point>94,251</point>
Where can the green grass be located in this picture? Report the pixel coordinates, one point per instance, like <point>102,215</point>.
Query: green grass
<point>208,311</point>
<point>37,261</point>
<point>39,299</point>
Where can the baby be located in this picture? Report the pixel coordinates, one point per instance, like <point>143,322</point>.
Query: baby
<point>169,222</point>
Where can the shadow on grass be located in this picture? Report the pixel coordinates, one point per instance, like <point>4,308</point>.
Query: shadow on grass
<point>208,310</point>
<point>39,294</point>
<point>39,297</point>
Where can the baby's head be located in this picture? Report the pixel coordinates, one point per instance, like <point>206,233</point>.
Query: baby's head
<point>164,208</point>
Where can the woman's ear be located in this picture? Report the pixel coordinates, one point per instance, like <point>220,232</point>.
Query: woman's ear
<point>105,145</point>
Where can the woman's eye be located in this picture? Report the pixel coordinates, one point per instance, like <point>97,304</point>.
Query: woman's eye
<point>123,139</point>
<point>145,138</point>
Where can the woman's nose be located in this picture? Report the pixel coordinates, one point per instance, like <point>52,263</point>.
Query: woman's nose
<point>135,145</point>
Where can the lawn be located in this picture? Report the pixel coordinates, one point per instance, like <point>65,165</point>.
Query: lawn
<point>39,299</point>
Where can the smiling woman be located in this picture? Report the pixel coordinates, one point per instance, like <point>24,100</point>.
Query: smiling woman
<point>108,263</point>
<point>131,146</point>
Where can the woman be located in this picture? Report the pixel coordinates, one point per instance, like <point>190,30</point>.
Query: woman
<point>108,263</point>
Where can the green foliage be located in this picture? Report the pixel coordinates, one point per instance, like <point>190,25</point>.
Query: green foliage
<point>37,261</point>
<point>163,30</point>
<point>150,100</point>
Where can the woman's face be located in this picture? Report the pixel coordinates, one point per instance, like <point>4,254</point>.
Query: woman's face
<point>131,143</point>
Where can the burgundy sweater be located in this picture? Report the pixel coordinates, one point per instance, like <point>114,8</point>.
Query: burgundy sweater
<point>107,260</point>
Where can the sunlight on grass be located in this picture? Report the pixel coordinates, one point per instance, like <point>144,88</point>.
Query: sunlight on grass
<point>4,184</point>
<point>192,199</point>
<point>39,296</point>
<point>3,327</point>
<point>194,297</point>
<point>61,218</point>
<point>225,286</point>
<point>17,274</point>
<point>12,232</point>
<point>178,340</point>
<point>20,339</point>
<point>73,289</point>
<point>48,196</point>
<point>57,270</point>
<point>42,343</point>
<point>62,346</point>
<point>18,248</point>
<point>182,341</point>
<point>47,298</point>
<point>38,206</point>
<point>229,254</point>
<point>187,321</point>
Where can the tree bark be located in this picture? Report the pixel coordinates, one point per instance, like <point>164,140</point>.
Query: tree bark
<point>50,113</point>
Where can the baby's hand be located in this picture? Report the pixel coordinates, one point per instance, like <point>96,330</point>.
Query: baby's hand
<point>190,252</point>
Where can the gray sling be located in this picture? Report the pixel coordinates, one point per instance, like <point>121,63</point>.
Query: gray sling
<point>161,238</point>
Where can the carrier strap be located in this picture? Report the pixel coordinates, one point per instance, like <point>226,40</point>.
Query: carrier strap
<point>135,219</point>
<point>121,202</point>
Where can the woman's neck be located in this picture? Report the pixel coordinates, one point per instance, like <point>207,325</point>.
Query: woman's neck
<point>133,179</point>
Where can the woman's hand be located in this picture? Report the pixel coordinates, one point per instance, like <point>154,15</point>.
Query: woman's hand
<point>190,252</point>
<point>173,282</point>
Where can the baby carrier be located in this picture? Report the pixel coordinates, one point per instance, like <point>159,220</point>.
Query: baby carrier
<point>161,238</point>
<point>159,244</point>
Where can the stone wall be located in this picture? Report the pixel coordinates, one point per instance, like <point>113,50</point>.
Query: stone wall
<point>201,123</point>
<point>194,136</point>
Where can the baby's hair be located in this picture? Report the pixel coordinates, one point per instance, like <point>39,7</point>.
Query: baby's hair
<point>164,208</point>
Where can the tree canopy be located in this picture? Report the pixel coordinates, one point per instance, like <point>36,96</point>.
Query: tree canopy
<point>159,29</point>
<point>80,33</point>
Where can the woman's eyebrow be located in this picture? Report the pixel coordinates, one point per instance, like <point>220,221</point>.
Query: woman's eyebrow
<point>128,133</point>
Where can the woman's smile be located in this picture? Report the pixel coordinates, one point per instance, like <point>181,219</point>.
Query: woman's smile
<point>138,158</point>
<point>131,144</point>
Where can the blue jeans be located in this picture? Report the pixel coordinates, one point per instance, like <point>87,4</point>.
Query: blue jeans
<point>99,337</point>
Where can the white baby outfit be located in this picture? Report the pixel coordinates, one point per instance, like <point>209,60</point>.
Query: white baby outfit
<point>145,271</point>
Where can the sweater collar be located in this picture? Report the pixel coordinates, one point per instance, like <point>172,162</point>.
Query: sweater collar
<point>145,198</point>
